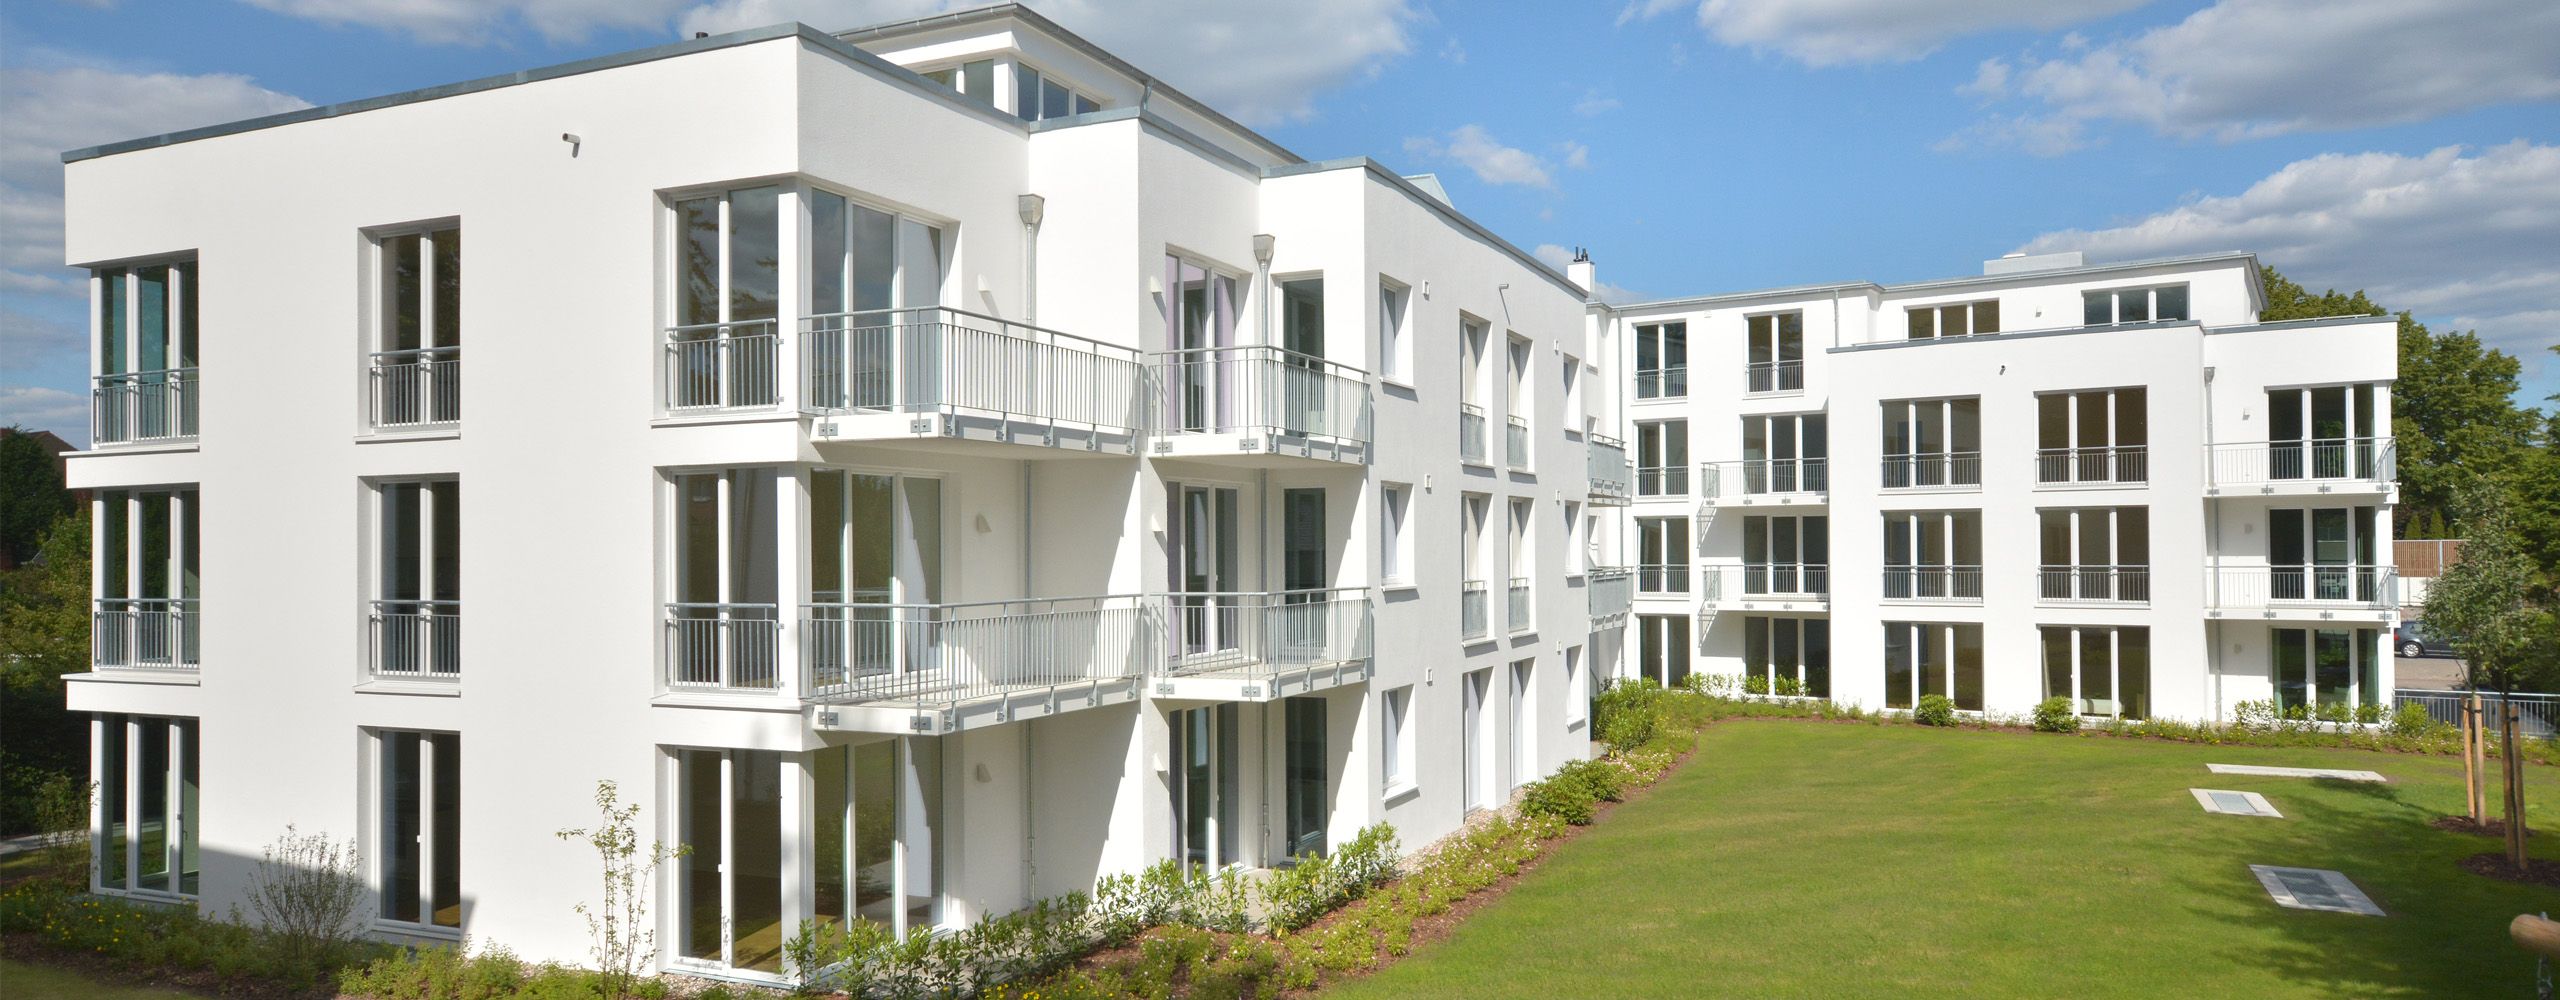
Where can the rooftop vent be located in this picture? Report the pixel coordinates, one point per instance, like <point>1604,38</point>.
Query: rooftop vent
<point>2021,263</point>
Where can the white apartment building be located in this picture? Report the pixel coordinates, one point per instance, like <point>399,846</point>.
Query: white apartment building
<point>2104,482</point>
<point>926,468</point>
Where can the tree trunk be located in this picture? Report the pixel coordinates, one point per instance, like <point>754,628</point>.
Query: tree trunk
<point>2515,788</point>
<point>2473,798</point>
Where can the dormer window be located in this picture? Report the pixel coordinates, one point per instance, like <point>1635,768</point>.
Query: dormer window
<point>1038,97</point>
<point>975,78</point>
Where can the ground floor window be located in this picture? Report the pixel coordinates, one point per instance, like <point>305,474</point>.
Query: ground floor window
<point>1662,648</point>
<point>1307,796</point>
<point>1925,658</point>
<point>2101,671</point>
<point>2336,669</point>
<point>1788,656</point>
<point>417,862</point>
<point>145,770</point>
<point>1204,791</point>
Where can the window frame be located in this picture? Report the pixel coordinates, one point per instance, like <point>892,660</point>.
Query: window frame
<point>1667,380</point>
<point>1396,773</point>
<point>1938,313</point>
<point>377,803</point>
<point>184,740</point>
<point>1395,331</point>
<point>2151,299</point>
<point>1395,509</point>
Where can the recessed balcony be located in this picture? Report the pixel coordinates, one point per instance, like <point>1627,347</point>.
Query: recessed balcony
<point>1263,646</point>
<point>149,407</point>
<point>2303,467</point>
<point>1766,586</point>
<point>2094,585</point>
<point>1259,406</point>
<point>1941,584</point>
<point>950,376</point>
<point>1774,482</point>
<point>143,634</point>
<point>1958,470</point>
<point>2119,465</point>
<point>2313,593</point>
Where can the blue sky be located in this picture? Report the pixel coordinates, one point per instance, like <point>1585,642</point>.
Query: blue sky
<point>2409,149</point>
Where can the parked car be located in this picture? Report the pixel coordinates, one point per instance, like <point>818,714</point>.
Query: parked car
<point>2413,639</point>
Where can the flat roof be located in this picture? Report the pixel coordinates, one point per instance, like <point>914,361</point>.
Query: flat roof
<point>2020,277</point>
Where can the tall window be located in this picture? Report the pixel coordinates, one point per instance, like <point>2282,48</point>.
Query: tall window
<point>1039,96</point>
<point>724,350</point>
<point>1954,319</point>
<point>1577,688</point>
<point>1933,556</point>
<point>1662,458</point>
<point>2331,669</point>
<point>724,599</point>
<point>1395,744</point>
<point>875,577</point>
<point>1662,648</point>
<point>875,801</point>
<point>875,337</point>
<point>1523,513</point>
<point>1523,727</point>
<point>1786,453</point>
<point>1203,740</point>
<point>146,615</point>
<point>1775,343</point>
<point>2324,432</point>
<point>2094,554</point>
<point>417,808</point>
<point>1662,361</point>
<point>2323,554</point>
<point>1662,554</point>
<point>1786,554</point>
<point>2102,671</point>
<point>145,385</point>
<point>1200,305</point>
<point>2093,436</point>
<point>1472,427</point>
<point>416,620</point>
<point>1573,415</point>
<point>1395,352</point>
<point>1307,793</point>
<point>1923,658</point>
<point>1395,542</point>
<point>1475,609</point>
<point>146,838</point>
<point>1932,443</point>
<point>1516,404</point>
<point>1786,656</point>
<point>416,376</point>
<point>1577,558</point>
<point>2114,306</point>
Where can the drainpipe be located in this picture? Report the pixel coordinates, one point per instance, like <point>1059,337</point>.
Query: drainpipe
<point>1030,838</point>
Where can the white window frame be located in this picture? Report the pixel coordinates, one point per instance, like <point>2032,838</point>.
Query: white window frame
<point>377,555</point>
<point>1653,449</point>
<point>128,787</point>
<point>1938,313</point>
<point>1395,331</point>
<point>426,362</point>
<point>2113,636</point>
<point>1577,689</point>
<point>1577,559</point>
<point>1573,415</point>
<point>1396,741</point>
<point>376,799</point>
<point>2151,303</point>
<point>1395,527</point>
<point>1662,375</point>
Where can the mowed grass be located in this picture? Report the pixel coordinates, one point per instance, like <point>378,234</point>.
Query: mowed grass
<point>21,981</point>
<point>1791,859</point>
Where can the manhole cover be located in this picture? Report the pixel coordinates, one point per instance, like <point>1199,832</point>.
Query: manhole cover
<point>2216,800</point>
<point>2314,889</point>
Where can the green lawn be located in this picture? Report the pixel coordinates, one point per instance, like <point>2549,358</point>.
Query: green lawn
<point>1810,860</point>
<point>21,981</point>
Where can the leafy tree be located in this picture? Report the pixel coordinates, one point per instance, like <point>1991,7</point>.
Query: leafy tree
<point>31,496</point>
<point>2484,605</point>
<point>44,634</point>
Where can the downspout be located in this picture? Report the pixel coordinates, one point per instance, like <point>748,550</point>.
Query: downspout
<point>2213,529</point>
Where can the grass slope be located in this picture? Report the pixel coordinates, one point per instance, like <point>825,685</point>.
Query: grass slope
<point>1828,860</point>
<point>21,981</point>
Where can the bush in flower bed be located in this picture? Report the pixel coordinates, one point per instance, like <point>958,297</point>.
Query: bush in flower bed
<point>2054,715</point>
<point>1935,710</point>
<point>1295,896</point>
<point>168,938</point>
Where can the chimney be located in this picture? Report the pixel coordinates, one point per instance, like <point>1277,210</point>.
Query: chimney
<point>1583,272</point>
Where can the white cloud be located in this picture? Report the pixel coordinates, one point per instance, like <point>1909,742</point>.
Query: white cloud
<point>1453,52</point>
<point>46,408</point>
<point>2461,238</point>
<point>476,22</point>
<point>2242,69</point>
<point>1576,155</point>
<point>1594,104</point>
<point>1472,147</point>
<point>1836,32</point>
<point>1559,258</point>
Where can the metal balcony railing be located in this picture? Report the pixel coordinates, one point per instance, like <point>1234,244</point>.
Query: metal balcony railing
<point>417,388</point>
<point>1662,383</point>
<point>2361,587</point>
<point>1471,434</point>
<point>1521,618</point>
<point>1515,443</point>
<point>932,359</point>
<point>1216,390</point>
<point>2094,584</point>
<point>143,634</point>
<point>2127,464</point>
<point>138,407</point>
<point>1475,611</point>
<point>723,646</point>
<point>1932,470</point>
<point>1753,581</point>
<point>717,367</point>
<point>1611,591</point>
<point>1946,584</point>
<point>1607,458</point>
<point>1662,578</point>
<point>951,653</point>
<point>1774,376</point>
<point>1720,481</point>
<point>415,640</point>
<point>1662,480</point>
<point>1261,634</point>
<point>2367,459</point>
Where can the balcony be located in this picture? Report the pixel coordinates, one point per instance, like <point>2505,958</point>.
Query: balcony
<point>1611,591</point>
<point>1471,434</point>
<point>2124,465</point>
<point>415,390</point>
<point>1773,377</point>
<point>1607,460</point>
<point>2093,585</point>
<point>1263,646</point>
<point>709,369</point>
<point>1961,470</point>
<point>1662,580</point>
<point>143,634</point>
<point>414,641</point>
<point>2303,593</point>
<point>1776,482</point>
<point>2302,468</point>
<point>152,407</point>
<point>1260,405</point>
<point>1475,611</point>
<point>1662,383</point>
<point>940,668</point>
<point>1521,617</point>
<point>1662,481</point>
<point>723,647</point>
<point>1933,584</point>
<point>943,375</point>
<point>1766,586</point>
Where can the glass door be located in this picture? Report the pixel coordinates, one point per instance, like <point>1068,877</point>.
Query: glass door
<point>1302,547</point>
<point>1308,802</point>
<point>1205,568</point>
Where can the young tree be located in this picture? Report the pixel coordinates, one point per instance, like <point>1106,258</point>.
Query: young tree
<point>2484,605</point>
<point>625,943</point>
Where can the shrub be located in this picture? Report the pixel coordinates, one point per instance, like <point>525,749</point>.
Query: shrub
<point>1295,896</point>
<point>306,892</point>
<point>2369,713</point>
<point>2333,712</point>
<point>2413,721</point>
<point>1606,781</point>
<point>1755,684</point>
<point>1788,687</point>
<point>1559,798</point>
<point>1935,710</point>
<point>2055,715</point>
<point>1627,713</point>
<point>2253,715</point>
<point>62,820</point>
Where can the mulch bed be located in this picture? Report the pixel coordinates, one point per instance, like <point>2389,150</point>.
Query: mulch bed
<point>2492,827</point>
<point>2536,871</point>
